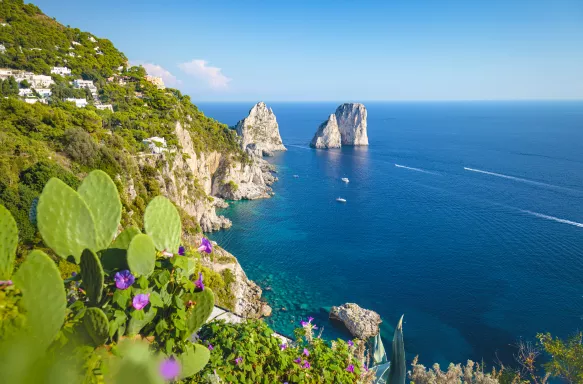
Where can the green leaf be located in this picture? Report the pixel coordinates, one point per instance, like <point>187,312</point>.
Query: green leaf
<point>141,255</point>
<point>93,276</point>
<point>97,325</point>
<point>8,243</point>
<point>194,358</point>
<point>136,324</point>
<point>125,238</point>
<point>65,221</point>
<point>155,299</point>
<point>43,297</point>
<point>122,297</point>
<point>398,369</point>
<point>100,194</point>
<point>162,222</point>
<point>161,326</point>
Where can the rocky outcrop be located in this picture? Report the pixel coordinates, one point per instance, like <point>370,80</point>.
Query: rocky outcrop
<point>351,118</point>
<point>328,135</point>
<point>346,127</point>
<point>362,323</point>
<point>259,132</point>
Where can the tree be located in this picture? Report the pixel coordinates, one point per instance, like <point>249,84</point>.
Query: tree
<point>566,356</point>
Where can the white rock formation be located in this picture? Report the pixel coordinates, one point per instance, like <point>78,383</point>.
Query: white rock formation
<point>351,118</point>
<point>328,134</point>
<point>259,131</point>
<point>362,323</point>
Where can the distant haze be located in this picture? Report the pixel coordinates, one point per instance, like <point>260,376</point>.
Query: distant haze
<point>341,50</point>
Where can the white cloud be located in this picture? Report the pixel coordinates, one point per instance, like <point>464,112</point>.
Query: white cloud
<point>159,71</point>
<point>212,76</point>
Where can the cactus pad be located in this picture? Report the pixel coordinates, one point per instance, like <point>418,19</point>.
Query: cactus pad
<point>96,325</point>
<point>100,194</point>
<point>141,255</point>
<point>65,221</point>
<point>124,239</point>
<point>162,222</point>
<point>204,302</point>
<point>92,274</point>
<point>8,243</point>
<point>43,297</point>
<point>193,360</point>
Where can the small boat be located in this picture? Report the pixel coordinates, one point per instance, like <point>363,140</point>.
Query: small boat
<point>345,179</point>
<point>340,200</point>
<point>296,176</point>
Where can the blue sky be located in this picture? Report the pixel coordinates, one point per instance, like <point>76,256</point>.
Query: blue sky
<point>346,50</point>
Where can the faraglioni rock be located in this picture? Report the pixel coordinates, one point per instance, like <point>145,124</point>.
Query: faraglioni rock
<point>362,323</point>
<point>328,135</point>
<point>347,126</point>
<point>259,131</point>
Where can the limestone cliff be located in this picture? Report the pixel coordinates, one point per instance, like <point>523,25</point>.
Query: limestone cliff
<point>328,134</point>
<point>259,131</point>
<point>351,118</point>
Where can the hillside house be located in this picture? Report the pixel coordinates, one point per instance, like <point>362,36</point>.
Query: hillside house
<point>63,71</point>
<point>156,144</point>
<point>79,103</point>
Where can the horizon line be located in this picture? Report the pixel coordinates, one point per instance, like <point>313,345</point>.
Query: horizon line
<point>389,101</point>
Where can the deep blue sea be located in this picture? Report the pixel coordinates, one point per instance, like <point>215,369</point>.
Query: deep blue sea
<point>465,217</point>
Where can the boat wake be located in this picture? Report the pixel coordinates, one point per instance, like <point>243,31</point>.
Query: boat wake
<point>416,169</point>
<point>514,178</point>
<point>553,218</point>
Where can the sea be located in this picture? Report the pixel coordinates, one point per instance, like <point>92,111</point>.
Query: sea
<point>466,217</point>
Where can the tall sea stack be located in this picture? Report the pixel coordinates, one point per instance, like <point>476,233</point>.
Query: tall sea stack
<point>259,131</point>
<point>348,122</point>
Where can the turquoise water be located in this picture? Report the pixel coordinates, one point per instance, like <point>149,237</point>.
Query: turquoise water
<point>474,260</point>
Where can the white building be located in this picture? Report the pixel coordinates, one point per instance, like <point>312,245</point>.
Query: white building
<point>45,93</point>
<point>24,92</point>
<point>156,144</point>
<point>157,81</point>
<point>5,73</point>
<point>2,48</point>
<point>92,39</point>
<point>63,71</point>
<point>80,83</point>
<point>79,103</point>
<point>41,81</point>
<point>31,101</point>
<point>104,107</point>
<point>75,43</point>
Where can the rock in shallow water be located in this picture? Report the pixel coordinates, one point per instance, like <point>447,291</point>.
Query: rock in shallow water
<point>362,323</point>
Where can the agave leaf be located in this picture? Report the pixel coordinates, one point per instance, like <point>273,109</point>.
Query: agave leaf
<point>398,369</point>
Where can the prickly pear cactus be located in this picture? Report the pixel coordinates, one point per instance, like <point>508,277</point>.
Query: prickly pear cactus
<point>96,325</point>
<point>65,221</point>
<point>193,360</point>
<point>204,302</point>
<point>43,297</point>
<point>141,255</point>
<point>8,243</point>
<point>123,240</point>
<point>100,194</point>
<point>162,222</point>
<point>93,276</point>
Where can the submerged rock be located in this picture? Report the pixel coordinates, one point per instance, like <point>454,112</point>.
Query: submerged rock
<point>328,134</point>
<point>362,323</point>
<point>259,131</point>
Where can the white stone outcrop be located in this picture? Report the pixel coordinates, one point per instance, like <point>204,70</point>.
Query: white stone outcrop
<point>328,135</point>
<point>347,126</point>
<point>362,323</point>
<point>259,131</point>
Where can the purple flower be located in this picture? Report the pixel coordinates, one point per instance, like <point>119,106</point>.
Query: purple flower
<point>303,323</point>
<point>350,343</point>
<point>124,279</point>
<point>211,347</point>
<point>238,360</point>
<point>283,346</point>
<point>181,250</point>
<point>310,319</point>
<point>169,369</point>
<point>198,283</point>
<point>350,368</point>
<point>205,246</point>
<point>73,274</point>
<point>306,365</point>
<point>306,352</point>
<point>6,282</point>
<point>298,360</point>
<point>141,300</point>
<point>308,323</point>
<point>365,368</point>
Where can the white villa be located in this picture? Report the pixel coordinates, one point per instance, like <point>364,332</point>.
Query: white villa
<point>44,92</point>
<point>157,81</point>
<point>24,92</point>
<point>80,83</point>
<point>38,81</point>
<point>104,107</point>
<point>156,144</point>
<point>79,103</point>
<point>63,71</point>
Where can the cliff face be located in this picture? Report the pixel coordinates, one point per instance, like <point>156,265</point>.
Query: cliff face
<point>351,118</point>
<point>328,135</point>
<point>259,131</point>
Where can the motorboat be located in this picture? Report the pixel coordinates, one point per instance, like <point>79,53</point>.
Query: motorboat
<point>340,200</point>
<point>345,179</point>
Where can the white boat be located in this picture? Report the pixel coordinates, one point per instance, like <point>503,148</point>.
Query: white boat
<point>345,179</point>
<point>296,176</point>
<point>340,200</point>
